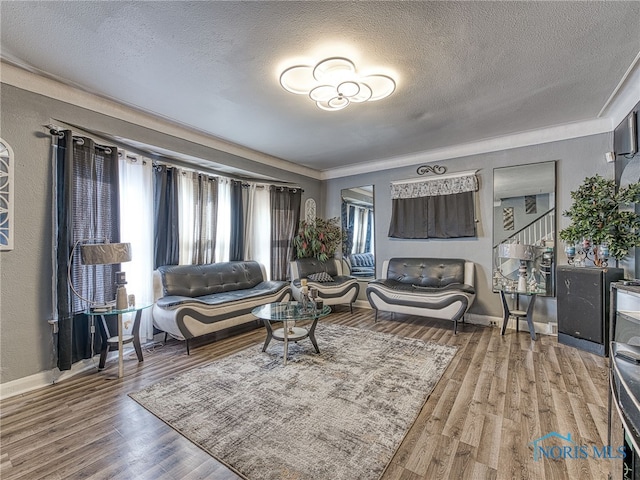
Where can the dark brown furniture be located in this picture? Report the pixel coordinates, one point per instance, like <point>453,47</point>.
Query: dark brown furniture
<point>583,306</point>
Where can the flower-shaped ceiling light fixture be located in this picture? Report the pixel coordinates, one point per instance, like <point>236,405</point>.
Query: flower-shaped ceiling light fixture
<point>334,83</point>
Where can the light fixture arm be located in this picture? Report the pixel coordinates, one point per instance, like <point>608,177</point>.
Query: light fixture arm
<point>69,280</point>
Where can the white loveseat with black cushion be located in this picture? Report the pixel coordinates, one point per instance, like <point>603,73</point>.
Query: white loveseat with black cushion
<point>334,287</point>
<point>195,300</point>
<point>429,287</point>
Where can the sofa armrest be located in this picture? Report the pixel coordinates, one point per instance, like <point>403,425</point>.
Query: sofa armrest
<point>469,273</point>
<point>158,289</point>
<point>385,269</point>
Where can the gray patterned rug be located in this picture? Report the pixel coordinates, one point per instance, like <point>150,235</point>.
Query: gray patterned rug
<point>339,415</point>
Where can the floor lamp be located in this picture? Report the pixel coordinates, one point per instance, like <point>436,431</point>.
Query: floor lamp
<point>106,253</point>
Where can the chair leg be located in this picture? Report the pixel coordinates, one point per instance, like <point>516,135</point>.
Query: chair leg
<point>375,320</point>
<point>187,341</point>
<point>166,335</point>
<point>455,326</point>
<point>351,308</point>
<point>269,336</point>
<point>505,313</point>
<point>103,356</point>
<point>138,348</point>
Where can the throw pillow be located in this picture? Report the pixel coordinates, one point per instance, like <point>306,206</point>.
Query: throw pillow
<point>321,277</point>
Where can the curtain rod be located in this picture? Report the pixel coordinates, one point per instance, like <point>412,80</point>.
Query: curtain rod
<point>439,177</point>
<point>218,176</point>
<point>59,132</point>
<point>56,130</point>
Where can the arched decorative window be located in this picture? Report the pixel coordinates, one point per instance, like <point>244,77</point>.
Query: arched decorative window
<point>6,196</point>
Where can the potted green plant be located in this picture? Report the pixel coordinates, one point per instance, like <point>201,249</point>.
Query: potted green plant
<point>318,239</point>
<point>599,221</point>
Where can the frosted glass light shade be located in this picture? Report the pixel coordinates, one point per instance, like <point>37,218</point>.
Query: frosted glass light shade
<point>323,93</point>
<point>298,79</point>
<point>332,70</point>
<point>334,83</point>
<point>381,86</point>
<point>349,89</point>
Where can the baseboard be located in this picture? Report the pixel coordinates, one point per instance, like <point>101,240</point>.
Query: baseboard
<point>362,304</point>
<point>484,320</point>
<point>42,379</point>
<point>491,321</point>
<point>53,376</point>
<point>496,322</point>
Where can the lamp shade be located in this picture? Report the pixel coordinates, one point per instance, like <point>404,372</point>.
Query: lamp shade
<point>516,250</point>
<point>105,253</point>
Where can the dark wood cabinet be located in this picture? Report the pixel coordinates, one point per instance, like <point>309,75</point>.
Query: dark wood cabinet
<point>583,306</point>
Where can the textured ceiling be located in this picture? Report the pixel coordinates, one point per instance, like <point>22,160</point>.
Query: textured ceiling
<point>466,71</point>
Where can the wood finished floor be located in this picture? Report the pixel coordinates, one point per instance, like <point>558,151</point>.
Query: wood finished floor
<point>498,394</point>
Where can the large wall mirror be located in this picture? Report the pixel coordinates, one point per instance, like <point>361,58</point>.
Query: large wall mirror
<point>358,225</point>
<point>524,228</point>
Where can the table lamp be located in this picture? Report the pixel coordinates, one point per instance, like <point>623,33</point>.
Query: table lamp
<point>521,252</point>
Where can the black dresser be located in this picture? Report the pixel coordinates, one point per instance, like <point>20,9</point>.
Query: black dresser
<point>583,306</point>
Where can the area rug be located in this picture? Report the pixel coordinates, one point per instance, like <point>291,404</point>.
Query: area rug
<point>337,415</point>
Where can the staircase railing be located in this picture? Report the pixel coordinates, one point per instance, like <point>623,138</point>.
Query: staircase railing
<point>537,233</point>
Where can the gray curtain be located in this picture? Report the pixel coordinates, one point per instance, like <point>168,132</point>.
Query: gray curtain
<point>165,204</point>
<point>205,216</point>
<point>439,207</point>
<point>347,226</point>
<point>87,201</point>
<point>367,247</point>
<point>285,216</point>
<point>236,245</point>
<point>444,216</point>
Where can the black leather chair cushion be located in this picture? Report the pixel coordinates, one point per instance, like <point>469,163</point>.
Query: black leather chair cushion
<point>201,280</point>
<point>309,266</point>
<point>426,272</point>
<point>338,281</point>
<point>361,260</point>
<point>260,290</point>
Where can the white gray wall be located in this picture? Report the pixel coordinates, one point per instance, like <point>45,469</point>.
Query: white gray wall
<point>26,341</point>
<point>576,159</point>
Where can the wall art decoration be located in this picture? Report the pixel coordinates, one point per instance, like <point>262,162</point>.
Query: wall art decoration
<point>530,204</point>
<point>310,210</point>
<point>6,196</point>
<point>507,218</point>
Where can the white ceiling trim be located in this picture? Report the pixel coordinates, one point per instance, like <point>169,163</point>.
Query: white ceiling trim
<point>625,96</point>
<point>20,78</point>
<point>523,139</point>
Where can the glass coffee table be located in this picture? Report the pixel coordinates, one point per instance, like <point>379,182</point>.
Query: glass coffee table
<point>289,313</point>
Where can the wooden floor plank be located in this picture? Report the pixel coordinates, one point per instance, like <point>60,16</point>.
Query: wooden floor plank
<point>497,395</point>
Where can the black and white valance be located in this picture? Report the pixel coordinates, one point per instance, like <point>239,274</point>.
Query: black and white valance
<point>441,207</point>
<point>429,187</point>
